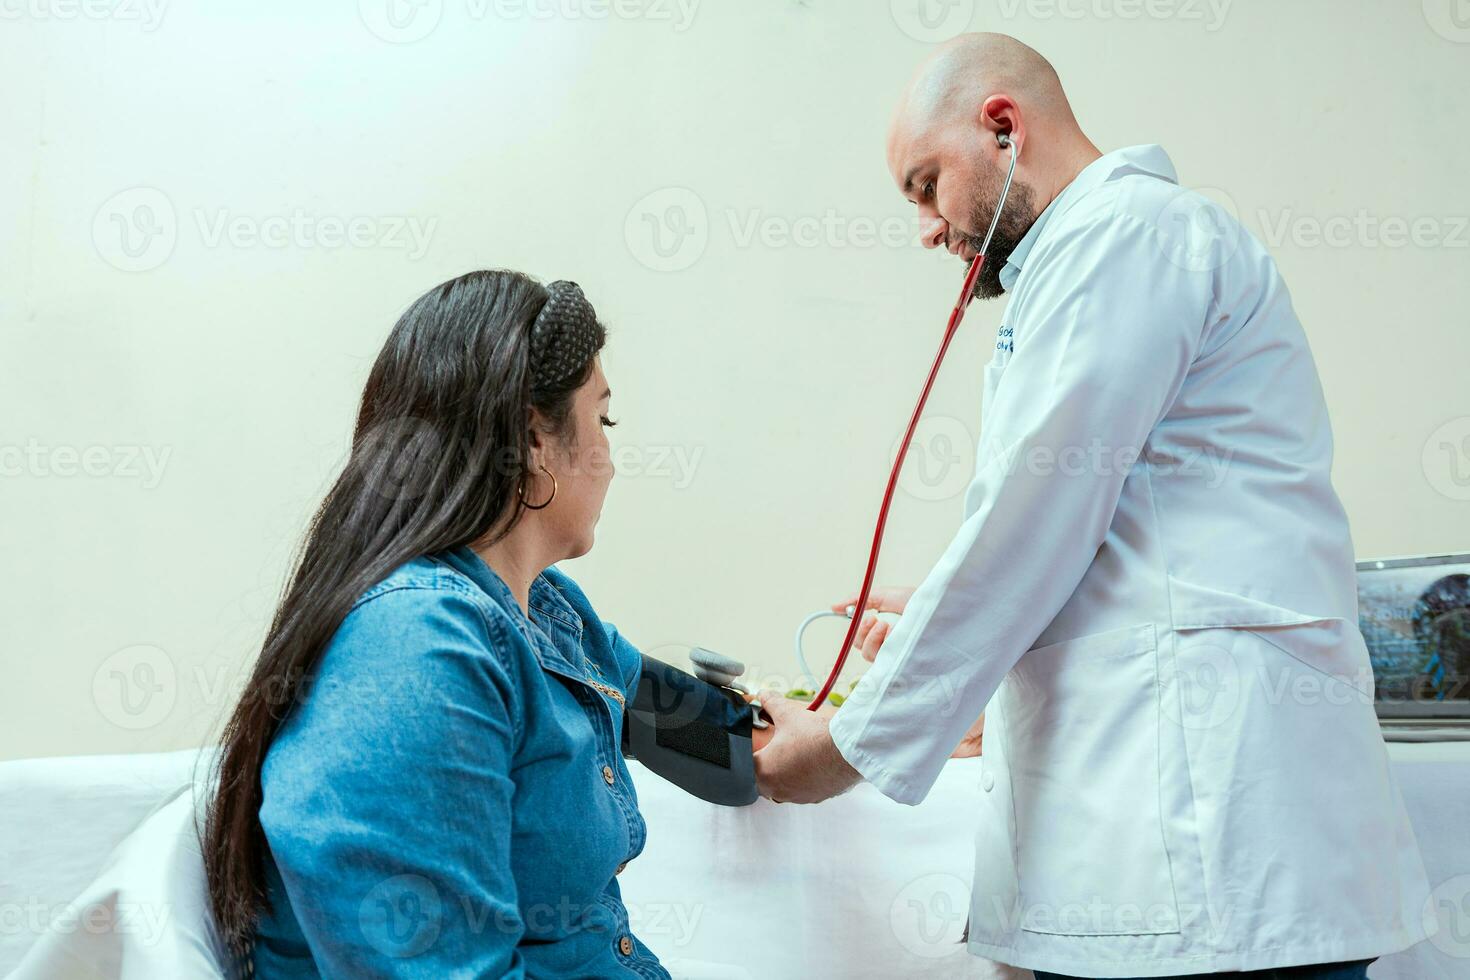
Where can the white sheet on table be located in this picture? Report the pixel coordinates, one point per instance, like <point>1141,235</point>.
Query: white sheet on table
<point>855,887</point>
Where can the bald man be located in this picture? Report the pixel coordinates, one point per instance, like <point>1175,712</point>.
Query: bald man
<point>1152,595</point>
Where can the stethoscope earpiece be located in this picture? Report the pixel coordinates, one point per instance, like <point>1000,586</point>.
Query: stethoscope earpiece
<point>1004,139</point>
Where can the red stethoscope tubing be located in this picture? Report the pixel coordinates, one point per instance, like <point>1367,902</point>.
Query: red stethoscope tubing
<point>955,316</point>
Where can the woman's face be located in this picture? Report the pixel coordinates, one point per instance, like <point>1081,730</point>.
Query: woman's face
<point>581,461</point>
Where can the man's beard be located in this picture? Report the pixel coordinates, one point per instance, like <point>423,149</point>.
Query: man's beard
<point>1015,220</point>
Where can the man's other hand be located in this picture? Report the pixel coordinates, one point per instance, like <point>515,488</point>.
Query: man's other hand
<point>800,763</point>
<point>873,631</point>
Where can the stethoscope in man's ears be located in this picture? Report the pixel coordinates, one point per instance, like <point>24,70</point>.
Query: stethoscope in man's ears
<point>722,670</point>
<point>695,730</point>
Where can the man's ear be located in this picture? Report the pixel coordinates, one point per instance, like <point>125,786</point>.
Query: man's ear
<point>1000,114</point>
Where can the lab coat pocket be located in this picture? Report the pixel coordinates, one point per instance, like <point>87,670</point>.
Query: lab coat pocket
<point>1083,721</point>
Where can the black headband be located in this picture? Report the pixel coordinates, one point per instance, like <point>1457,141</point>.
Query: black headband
<point>565,335</point>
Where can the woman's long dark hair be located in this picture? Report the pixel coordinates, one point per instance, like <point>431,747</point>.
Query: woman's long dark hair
<point>439,453</point>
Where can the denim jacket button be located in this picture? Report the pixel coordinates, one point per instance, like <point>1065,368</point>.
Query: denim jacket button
<point>625,946</point>
<point>607,775</point>
<point>621,868</point>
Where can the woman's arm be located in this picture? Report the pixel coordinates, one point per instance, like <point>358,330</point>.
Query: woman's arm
<point>629,658</point>
<point>388,795</point>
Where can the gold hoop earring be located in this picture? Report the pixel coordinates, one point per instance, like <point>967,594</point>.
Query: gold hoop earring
<point>521,492</point>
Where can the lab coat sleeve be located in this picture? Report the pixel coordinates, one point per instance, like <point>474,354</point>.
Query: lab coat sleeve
<point>1109,328</point>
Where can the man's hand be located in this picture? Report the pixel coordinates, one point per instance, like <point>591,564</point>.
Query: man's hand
<point>873,631</point>
<point>969,746</point>
<point>800,764</point>
<point>759,737</point>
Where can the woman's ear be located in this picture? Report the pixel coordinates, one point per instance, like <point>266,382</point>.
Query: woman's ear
<point>537,437</point>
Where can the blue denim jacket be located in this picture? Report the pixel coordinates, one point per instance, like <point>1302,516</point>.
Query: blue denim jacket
<point>449,799</point>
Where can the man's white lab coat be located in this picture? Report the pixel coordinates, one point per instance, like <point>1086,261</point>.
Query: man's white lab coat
<point>1153,592</point>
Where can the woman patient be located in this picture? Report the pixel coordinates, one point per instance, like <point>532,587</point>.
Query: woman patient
<point>423,776</point>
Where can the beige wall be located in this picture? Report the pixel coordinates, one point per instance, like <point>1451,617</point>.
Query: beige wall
<point>218,373</point>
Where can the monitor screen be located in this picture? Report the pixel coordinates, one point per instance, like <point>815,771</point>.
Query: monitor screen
<point>1415,616</point>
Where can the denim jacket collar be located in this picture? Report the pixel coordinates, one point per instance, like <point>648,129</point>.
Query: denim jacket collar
<point>549,608</point>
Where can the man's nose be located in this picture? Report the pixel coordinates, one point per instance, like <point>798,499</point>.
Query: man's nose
<point>933,230</point>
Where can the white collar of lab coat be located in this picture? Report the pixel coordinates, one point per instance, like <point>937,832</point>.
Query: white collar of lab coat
<point>1148,158</point>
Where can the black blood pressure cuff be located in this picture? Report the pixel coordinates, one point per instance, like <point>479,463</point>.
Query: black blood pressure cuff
<point>692,733</point>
